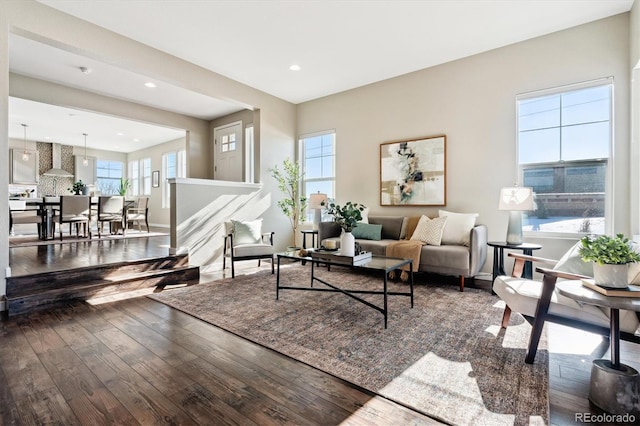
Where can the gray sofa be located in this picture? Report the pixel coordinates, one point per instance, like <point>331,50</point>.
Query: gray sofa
<point>456,260</point>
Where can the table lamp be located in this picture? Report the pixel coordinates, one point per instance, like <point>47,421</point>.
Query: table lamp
<point>317,202</point>
<point>516,200</point>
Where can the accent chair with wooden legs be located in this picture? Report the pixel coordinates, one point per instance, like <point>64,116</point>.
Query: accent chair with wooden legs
<point>244,240</point>
<point>539,301</point>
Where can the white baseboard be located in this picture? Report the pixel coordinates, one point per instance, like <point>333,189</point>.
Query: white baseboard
<point>485,276</point>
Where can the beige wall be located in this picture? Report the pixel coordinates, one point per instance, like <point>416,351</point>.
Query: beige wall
<point>37,21</point>
<point>472,101</point>
<point>158,216</point>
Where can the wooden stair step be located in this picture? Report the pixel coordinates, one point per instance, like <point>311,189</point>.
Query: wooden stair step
<point>45,281</point>
<point>98,288</point>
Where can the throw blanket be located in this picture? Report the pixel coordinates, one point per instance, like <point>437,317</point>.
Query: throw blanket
<point>407,249</point>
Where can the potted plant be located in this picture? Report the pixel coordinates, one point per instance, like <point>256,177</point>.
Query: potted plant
<point>347,217</point>
<point>294,204</point>
<point>77,188</point>
<point>611,257</point>
<point>124,186</point>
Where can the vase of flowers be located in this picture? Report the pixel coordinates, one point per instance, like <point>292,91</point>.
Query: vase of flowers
<point>347,217</point>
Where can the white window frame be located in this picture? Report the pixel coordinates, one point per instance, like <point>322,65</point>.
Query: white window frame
<point>145,176</point>
<point>609,181</point>
<point>301,156</point>
<point>134,177</point>
<point>98,176</point>
<point>181,171</point>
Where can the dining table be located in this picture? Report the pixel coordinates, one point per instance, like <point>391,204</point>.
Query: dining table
<point>46,207</point>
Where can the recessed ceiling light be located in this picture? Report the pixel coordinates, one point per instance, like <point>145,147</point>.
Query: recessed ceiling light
<point>119,134</point>
<point>47,137</point>
<point>136,140</point>
<point>150,84</point>
<point>295,67</point>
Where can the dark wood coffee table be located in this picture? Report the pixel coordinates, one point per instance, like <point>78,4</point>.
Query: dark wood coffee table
<point>376,263</point>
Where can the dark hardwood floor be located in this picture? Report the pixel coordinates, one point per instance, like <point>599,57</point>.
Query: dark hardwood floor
<point>137,361</point>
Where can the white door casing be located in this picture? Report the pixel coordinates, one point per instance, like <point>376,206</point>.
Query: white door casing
<point>228,152</point>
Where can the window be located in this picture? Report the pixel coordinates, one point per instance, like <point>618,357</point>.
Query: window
<point>564,140</point>
<point>108,176</point>
<point>318,164</point>
<point>174,164</point>
<point>140,177</point>
<point>134,177</point>
<point>145,166</point>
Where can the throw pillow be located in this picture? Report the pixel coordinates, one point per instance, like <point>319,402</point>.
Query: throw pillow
<point>247,232</point>
<point>365,215</point>
<point>634,268</point>
<point>366,231</point>
<point>572,263</point>
<point>429,231</point>
<point>412,222</point>
<point>458,227</point>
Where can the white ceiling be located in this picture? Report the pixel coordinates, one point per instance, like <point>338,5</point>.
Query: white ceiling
<point>340,45</point>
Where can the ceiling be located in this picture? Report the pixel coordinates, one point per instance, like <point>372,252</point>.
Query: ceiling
<point>339,45</point>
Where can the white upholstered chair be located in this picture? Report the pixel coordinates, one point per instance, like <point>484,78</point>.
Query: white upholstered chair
<point>539,301</point>
<point>244,240</point>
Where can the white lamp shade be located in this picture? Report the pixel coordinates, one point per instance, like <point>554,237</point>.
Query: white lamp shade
<point>316,201</point>
<point>516,198</point>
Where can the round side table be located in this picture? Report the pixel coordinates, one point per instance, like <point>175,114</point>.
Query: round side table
<point>498,256</point>
<point>614,386</point>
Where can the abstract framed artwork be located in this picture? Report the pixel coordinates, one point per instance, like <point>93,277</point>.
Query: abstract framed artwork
<point>413,172</point>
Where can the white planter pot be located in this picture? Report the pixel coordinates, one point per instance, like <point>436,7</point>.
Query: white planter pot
<point>615,276</point>
<point>347,244</point>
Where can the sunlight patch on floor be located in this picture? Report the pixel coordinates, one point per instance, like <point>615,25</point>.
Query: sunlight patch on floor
<point>453,381</point>
<point>571,341</point>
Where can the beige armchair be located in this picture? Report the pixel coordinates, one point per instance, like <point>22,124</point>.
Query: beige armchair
<point>539,301</point>
<point>139,212</point>
<point>246,241</point>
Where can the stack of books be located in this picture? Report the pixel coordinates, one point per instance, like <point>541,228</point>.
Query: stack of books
<point>336,257</point>
<point>629,291</point>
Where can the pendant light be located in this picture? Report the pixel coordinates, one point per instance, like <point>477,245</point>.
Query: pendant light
<point>25,153</point>
<point>85,162</point>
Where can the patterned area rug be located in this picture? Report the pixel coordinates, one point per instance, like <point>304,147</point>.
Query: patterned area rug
<point>33,240</point>
<point>447,357</point>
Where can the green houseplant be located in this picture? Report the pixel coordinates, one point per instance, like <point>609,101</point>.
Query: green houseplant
<point>77,187</point>
<point>294,203</point>
<point>611,257</point>
<point>347,216</point>
<point>125,184</point>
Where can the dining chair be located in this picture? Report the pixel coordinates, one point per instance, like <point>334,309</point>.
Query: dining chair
<point>74,210</point>
<point>19,214</point>
<point>111,209</point>
<point>139,212</point>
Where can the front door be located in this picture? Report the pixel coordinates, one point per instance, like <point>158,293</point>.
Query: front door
<point>228,160</point>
